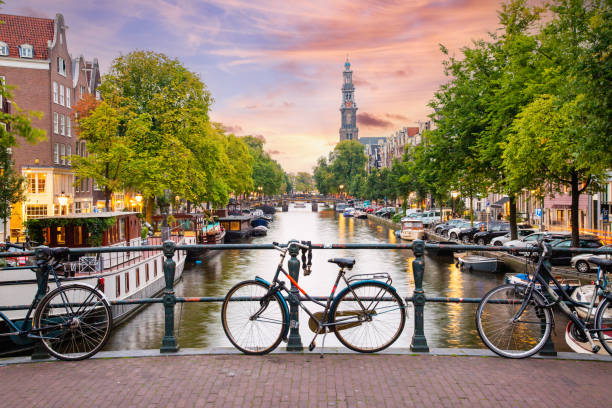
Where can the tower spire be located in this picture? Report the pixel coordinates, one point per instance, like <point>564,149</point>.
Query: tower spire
<point>348,108</point>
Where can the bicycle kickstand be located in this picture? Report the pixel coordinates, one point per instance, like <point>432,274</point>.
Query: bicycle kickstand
<point>323,341</point>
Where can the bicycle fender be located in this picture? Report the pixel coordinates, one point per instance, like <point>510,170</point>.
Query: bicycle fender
<point>334,304</point>
<point>283,302</point>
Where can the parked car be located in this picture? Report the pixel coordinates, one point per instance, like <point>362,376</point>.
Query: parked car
<point>534,238</point>
<point>565,258</point>
<point>466,234</point>
<point>582,264</point>
<point>453,232</point>
<point>522,233</point>
<point>430,217</point>
<point>446,226</point>
<point>494,230</point>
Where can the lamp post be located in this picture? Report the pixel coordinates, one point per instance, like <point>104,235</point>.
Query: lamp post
<point>139,201</point>
<point>260,192</point>
<point>341,186</point>
<point>454,194</point>
<point>62,199</point>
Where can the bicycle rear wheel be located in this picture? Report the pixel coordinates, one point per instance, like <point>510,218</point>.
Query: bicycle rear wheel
<point>249,333</point>
<point>74,322</point>
<point>603,322</point>
<point>495,321</point>
<point>372,318</point>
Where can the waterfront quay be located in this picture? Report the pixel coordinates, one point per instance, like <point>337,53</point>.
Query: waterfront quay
<point>201,378</point>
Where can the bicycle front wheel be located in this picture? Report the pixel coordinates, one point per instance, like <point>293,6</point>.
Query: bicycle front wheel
<point>368,318</point>
<point>253,322</point>
<point>74,322</point>
<point>603,322</point>
<point>505,333</point>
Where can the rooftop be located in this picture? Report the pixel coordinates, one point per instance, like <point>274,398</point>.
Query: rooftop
<point>18,30</point>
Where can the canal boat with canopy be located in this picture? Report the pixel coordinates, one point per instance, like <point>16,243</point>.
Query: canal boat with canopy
<point>237,227</point>
<point>119,275</point>
<point>412,229</point>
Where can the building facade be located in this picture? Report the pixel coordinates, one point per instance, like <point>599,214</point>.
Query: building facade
<point>348,108</point>
<point>35,62</point>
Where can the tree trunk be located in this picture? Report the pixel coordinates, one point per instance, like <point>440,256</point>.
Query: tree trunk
<point>575,203</point>
<point>107,195</point>
<point>471,210</point>
<point>513,228</point>
<point>6,238</point>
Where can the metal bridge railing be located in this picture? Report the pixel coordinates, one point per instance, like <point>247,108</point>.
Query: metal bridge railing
<point>418,298</point>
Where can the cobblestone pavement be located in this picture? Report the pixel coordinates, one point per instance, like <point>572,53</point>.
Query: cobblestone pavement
<point>284,380</point>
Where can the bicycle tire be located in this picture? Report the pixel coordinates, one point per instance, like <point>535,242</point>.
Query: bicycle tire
<point>74,320</point>
<point>242,331</point>
<point>385,317</point>
<point>603,320</point>
<point>529,338</point>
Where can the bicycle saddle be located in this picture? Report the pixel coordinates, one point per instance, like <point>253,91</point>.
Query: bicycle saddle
<point>604,263</point>
<point>343,262</point>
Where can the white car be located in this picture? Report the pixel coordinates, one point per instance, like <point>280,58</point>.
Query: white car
<point>453,233</point>
<point>522,233</point>
<point>527,241</point>
<point>582,264</point>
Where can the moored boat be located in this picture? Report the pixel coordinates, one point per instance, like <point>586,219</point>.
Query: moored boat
<point>349,212</point>
<point>360,214</point>
<point>259,231</point>
<point>237,227</point>
<point>412,229</point>
<point>479,263</point>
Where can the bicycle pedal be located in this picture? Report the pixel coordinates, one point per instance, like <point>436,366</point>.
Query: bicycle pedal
<point>311,346</point>
<point>596,349</point>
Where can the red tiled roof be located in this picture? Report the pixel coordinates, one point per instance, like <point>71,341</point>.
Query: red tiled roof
<point>412,131</point>
<point>18,30</point>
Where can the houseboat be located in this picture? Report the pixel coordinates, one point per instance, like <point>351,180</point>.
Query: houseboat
<point>120,275</point>
<point>412,229</point>
<point>237,227</point>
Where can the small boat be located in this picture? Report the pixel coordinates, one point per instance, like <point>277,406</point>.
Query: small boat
<point>360,214</point>
<point>237,227</point>
<point>584,294</point>
<point>348,212</point>
<point>478,263</point>
<point>260,221</point>
<point>569,285</point>
<point>412,229</point>
<point>259,231</point>
<point>578,342</point>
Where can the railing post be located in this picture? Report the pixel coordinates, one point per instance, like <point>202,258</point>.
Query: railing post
<point>40,353</point>
<point>419,343</point>
<point>169,343</point>
<point>294,342</point>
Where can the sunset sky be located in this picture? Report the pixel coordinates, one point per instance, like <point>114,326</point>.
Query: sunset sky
<point>274,67</point>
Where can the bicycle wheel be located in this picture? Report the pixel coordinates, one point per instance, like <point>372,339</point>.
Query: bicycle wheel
<point>603,322</point>
<point>374,316</point>
<point>74,322</point>
<point>253,335</point>
<point>506,337</point>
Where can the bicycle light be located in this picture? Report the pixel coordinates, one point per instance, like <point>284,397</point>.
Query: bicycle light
<point>101,284</point>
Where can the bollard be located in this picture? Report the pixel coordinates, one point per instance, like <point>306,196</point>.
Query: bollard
<point>419,343</point>
<point>169,343</point>
<point>294,342</point>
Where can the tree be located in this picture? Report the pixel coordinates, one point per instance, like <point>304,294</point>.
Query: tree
<point>323,177</point>
<point>11,187</point>
<point>303,182</point>
<point>267,173</point>
<point>347,163</point>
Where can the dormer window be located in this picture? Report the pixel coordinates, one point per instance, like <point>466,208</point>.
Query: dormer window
<point>4,50</point>
<point>26,51</point>
<point>61,66</point>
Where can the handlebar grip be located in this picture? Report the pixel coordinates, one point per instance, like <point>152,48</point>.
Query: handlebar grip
<point>275,243</point>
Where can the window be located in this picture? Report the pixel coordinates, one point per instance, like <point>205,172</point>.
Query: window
<point>36,210</point>
<point>32,183</point>
<point>61,95</point>
<point>77,149</point>
<point>63,125</point>
<point>68,94</point>
<point>68,127</point>
<point>36,183</point>
<point>63,154</point>
<point>137,277</point>
<point>81,91</point>
<point>61,66</point>
<point>68,154</point>
<point>83,151</point>
<point>127,282</point>
<point>56,153</point>
<point>26,51</point>
<point>55,92</point>
<point>117,286</point>
<point>55,122</point>
<point>4,49</point>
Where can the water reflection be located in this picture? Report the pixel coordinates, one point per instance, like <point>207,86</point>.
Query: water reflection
<point>446,325</point>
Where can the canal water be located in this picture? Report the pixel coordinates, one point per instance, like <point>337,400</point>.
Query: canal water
<point>449,325</point>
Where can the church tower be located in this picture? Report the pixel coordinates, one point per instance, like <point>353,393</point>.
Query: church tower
<point>348,109</point>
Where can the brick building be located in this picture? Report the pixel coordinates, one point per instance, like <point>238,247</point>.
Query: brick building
<point>35,61</point>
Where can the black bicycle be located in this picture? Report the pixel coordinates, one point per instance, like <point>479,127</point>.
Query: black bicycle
<point>515,320</point>
<point>366,316</point>
<point>72,321</point>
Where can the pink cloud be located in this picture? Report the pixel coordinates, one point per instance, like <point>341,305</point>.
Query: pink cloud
<point>372,121</point>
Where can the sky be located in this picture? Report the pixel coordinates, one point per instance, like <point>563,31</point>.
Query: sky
<point>274,67</point>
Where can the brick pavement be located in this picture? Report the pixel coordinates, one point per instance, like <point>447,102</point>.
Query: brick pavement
<point>344,380</point>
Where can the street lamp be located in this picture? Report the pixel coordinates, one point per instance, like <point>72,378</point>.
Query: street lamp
<point>454,194</point>
<point>139,200</point>
<point>62,199</point>
<point>341,186</point>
